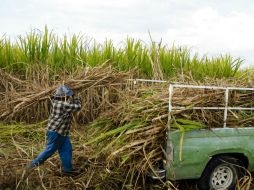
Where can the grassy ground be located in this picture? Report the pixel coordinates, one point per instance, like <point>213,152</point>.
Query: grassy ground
<point>21,143</point>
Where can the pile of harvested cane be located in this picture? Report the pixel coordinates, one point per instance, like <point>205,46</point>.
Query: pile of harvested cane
<point>134,132</point>
<point>29,102</point>
<point>117,149</point>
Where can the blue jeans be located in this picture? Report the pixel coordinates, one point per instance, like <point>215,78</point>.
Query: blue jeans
<point>60,143</point>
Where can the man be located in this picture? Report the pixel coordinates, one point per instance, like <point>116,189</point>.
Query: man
<point>58,129</point>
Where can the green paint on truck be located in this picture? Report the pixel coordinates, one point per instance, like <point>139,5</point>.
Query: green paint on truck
<point>198,147</point>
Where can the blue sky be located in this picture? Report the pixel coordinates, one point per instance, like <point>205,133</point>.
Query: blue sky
<point>211,27</point>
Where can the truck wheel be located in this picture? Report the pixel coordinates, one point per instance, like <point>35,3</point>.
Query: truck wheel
<point>221,173</point>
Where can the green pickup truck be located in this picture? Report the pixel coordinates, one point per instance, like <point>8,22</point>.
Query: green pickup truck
<point>217,157</point>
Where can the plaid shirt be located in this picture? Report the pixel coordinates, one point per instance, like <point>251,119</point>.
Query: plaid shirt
<point>60,116</point>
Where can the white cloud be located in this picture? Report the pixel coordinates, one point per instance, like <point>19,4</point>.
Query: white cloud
<point>210,32</point>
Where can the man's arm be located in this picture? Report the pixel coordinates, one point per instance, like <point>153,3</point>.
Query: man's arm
<point>74,105</point>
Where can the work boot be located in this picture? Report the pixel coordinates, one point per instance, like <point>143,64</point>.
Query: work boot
<point>72,172</point>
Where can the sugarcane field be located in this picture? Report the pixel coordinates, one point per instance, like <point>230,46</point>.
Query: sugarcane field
<point>147,116</point>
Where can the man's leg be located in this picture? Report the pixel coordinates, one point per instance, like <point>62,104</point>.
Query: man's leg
<point>54,142</point>
<point>65,152</point>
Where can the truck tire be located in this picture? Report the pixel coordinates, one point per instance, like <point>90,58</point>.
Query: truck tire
<point>220,173</point>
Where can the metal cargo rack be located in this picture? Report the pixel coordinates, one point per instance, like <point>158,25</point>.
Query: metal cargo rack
<point>173,86</point>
